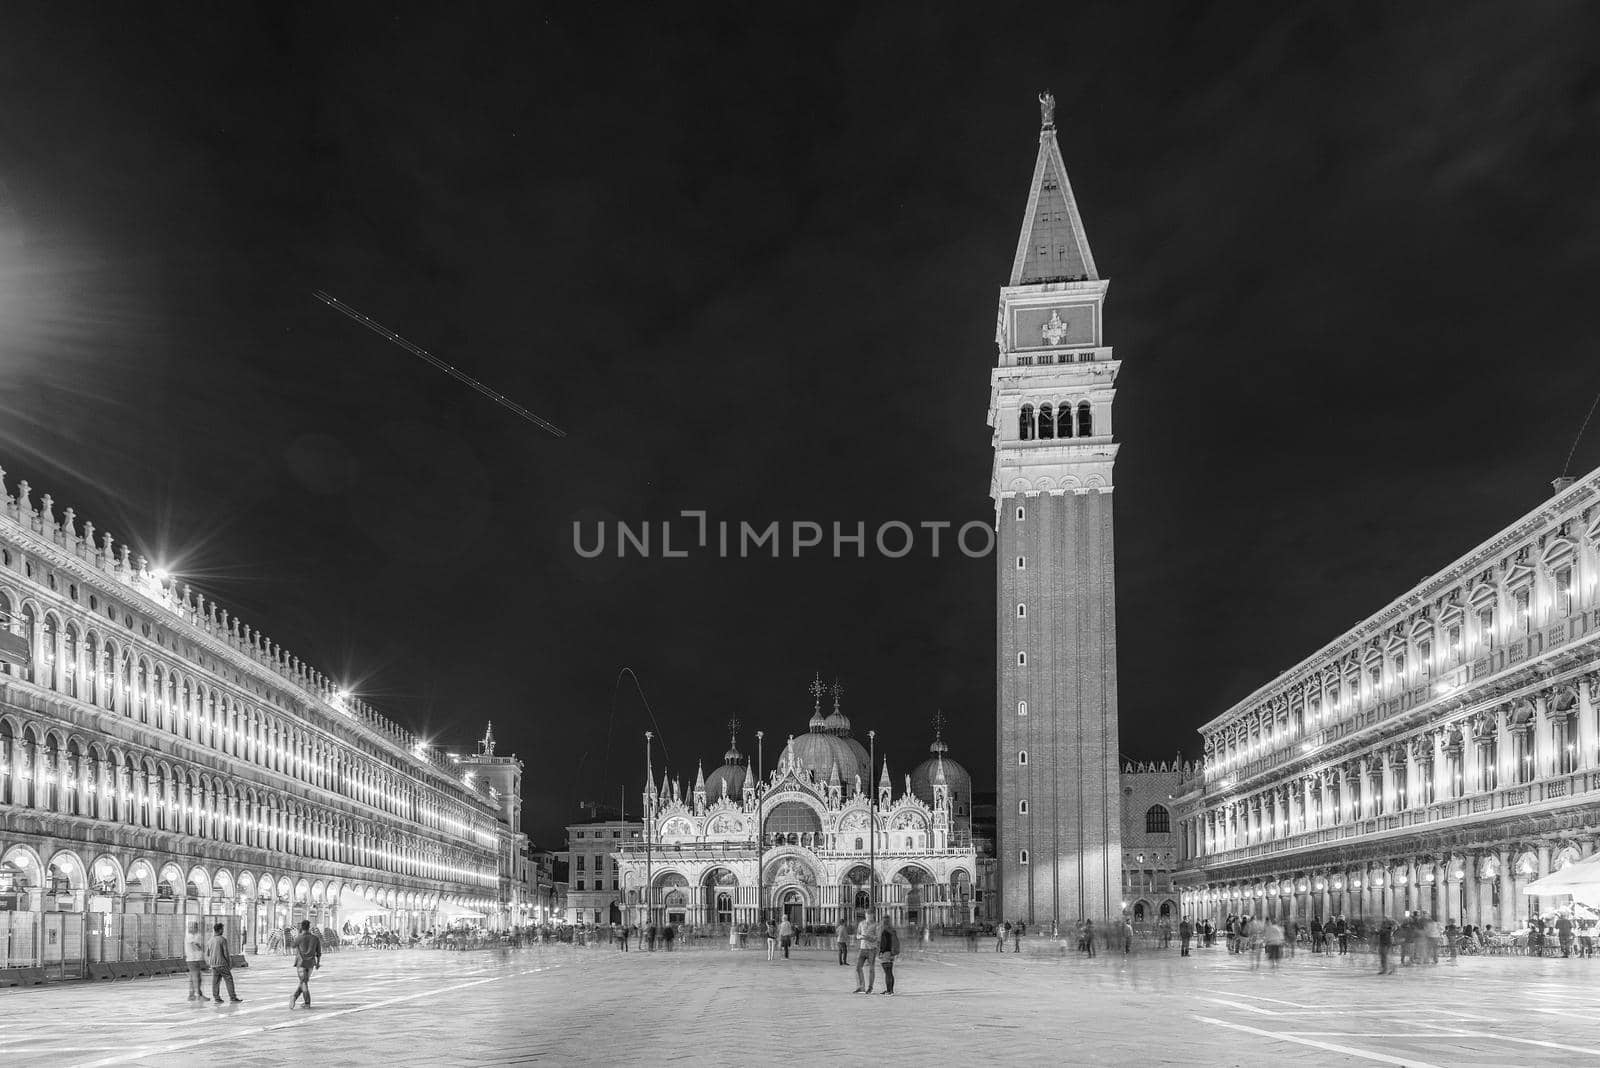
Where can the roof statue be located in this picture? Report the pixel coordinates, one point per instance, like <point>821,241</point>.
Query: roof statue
<point>1047,110</point>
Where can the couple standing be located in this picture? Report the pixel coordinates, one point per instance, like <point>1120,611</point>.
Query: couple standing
<point>879,946</point>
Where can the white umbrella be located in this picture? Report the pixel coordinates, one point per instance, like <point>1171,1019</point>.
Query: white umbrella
<point>1581,877</point>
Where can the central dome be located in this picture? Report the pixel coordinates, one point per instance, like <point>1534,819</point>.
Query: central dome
<point>819,753</point>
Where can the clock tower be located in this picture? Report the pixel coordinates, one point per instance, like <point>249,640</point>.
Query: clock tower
<point>1050,401</point>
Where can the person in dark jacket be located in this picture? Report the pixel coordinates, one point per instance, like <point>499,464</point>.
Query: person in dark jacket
<point>888,953</point>
<point>1185,932</point>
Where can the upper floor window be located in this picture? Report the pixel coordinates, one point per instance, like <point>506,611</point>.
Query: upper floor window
<point>1157,820</point>
<point>1085,421</point>
<point>1021,513</point>
<point>1564,591</point>
<point>1022,808</point>
<point>1022,563</point>
<point>1486,628</point>
<point>1022,758</point>
<point>1047,422</point>
<point>1025,423</point>
<point>1022,708</point>
<point>1022,611</point>
<point>1524,617</point>
<point>1022,857</point>
<point>1022,659</point>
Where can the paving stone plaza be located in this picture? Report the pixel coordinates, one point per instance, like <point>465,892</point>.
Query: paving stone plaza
<point>565,1005</point>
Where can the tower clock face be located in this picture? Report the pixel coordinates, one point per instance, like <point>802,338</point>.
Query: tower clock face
<point>1053,327</point>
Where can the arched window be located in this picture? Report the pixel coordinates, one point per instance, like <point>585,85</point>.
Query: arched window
<point>69,654</point>
<point>142,690</point>
<point>29,631</point>
<point>1085,421</point>
<point>1022,611</point>
<point>1022,808</point>
<point>1157,820</point>
<point>1021,513</point>
<point>1025,423</point>
<point>1022,708</point>
<point>52,669</point>
<point>860,843</point>
<point>1047,422</point>
<point>1022,758</point>
<point>1022,659</point>
<point>1022,563</point>
<point>1022,858</point>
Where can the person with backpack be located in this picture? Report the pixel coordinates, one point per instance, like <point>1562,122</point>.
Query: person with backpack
<point>307,956</point>
<point>888,953</point>
<point>220,958</point>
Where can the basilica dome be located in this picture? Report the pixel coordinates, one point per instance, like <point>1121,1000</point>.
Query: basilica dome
<point>728,780</point>
<point>956,777</point>
<point>819,753</point>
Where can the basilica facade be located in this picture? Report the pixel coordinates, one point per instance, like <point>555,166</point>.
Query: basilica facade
<point>1438,756</point>
<point>814,840</point>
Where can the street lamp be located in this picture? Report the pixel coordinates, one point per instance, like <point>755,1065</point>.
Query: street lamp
<point>872,837</point>
<point>649,818</point>
<point>761,830</point>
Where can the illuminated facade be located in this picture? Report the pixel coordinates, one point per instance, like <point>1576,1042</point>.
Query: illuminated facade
<point>159,757</point>
<point>813,841</point>
<point>1438,756</point>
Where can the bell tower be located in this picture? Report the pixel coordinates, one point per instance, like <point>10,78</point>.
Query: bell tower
<point>1050,402</point>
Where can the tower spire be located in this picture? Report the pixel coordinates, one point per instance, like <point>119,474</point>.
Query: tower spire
<point>1053,246</point>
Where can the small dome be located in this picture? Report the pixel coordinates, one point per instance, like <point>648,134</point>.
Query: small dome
<point>837,723</point>
<point>726,781</point>
<point>956,777</point>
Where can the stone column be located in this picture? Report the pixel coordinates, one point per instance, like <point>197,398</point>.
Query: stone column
<point>1543,739</point>
<point>1589,758</point>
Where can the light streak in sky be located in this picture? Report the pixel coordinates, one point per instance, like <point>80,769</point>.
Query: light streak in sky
<point>460,376</point>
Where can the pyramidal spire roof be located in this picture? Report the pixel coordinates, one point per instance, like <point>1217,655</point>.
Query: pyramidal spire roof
<point>1053,246</point>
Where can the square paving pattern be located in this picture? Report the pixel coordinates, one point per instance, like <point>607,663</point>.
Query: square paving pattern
<point>566,1005</point>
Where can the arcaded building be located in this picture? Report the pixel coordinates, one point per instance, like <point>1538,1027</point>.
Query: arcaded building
<point>1438,756</point>
<point>159,758</point>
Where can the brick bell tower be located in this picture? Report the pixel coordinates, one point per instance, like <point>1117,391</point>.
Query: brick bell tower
<point>1050,408</point>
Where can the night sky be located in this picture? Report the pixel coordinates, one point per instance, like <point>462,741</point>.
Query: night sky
<point>752,268</point>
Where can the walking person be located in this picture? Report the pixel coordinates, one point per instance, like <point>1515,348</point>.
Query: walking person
<point>194,956</point>
<point>650,938</point>
<point>1273,936</point>
<point>220,958</point>
<point>786,936</point>
<point>1341,931</point>
<point>1000,936</point>
<point>888,953</point>
<point>867,932</point>
<point>307,958</point>
<point>1088,937</point>
<point>1564,933</point>
<point>1127,937</point>
<point>841,935</point>
<point>1016,937</point>
<point>627,931</point>
<point>772,939</point>
<point>1385,943</point>
<point>1185,932</point>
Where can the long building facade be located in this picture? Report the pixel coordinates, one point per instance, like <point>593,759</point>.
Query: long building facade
<point>160,758</point>
<point>1051,391</point>
<point>1437,757</point>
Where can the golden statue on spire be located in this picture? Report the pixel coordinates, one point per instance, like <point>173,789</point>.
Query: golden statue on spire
<point>1047,110</point>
